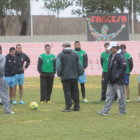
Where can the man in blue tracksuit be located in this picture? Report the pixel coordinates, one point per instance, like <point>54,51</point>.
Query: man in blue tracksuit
<point>116,80</point>
<point>23,62</point>
<point>10,72</point>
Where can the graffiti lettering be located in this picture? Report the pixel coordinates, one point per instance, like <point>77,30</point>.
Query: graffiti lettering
<point>108,19</point>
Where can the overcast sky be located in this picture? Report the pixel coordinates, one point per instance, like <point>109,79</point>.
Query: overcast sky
<point>38,9</point>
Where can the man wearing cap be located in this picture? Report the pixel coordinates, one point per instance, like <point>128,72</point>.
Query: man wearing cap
<point>116,80</point>
<point>4,95</point>
<point>69,68</point>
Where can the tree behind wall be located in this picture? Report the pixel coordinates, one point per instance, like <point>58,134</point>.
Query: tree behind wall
<point>57,5</point>
<point>25,18</point>
<point>4,6</point>
<point>19,8</point>
<point>99,6</point>
<point>107,6</point>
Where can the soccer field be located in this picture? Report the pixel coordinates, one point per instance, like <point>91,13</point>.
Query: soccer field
<point>49,123</point>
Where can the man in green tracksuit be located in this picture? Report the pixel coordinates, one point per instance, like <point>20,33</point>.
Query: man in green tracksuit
<point>104,63</point>
<point>128,70</point>
<point>84,61</point>
<point>46,68</point>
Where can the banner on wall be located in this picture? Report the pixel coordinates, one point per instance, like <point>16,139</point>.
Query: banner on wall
<point>107,27</point>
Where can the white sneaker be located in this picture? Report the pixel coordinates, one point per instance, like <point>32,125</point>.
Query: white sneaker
<point>12,112</point>
<point>128,100</point>
<point>138,100</point>
<point>85,100</point>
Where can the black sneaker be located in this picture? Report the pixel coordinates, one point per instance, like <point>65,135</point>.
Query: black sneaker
<point>75,109</point>
<point>11,101</point>
<point>102,99</point>
<point>121,114</point>
<point>67,110</point>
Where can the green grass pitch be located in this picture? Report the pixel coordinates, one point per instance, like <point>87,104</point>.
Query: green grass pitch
<point>49,123</point>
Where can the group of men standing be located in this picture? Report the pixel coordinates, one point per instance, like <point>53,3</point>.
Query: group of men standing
<point>104,59</point>
<point>117,65</point>
<point>70,65</point>
<point>12,71</point>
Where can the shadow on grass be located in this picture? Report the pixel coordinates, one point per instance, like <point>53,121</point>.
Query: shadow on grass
<point>93,102</point>
<point>98,102</point>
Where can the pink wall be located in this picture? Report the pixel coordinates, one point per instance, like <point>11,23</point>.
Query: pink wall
<point>93,49</point>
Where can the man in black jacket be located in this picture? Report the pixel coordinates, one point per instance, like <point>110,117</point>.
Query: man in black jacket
<point>69,68</point>
<point>23,62</point>
<point>10,72</point>
<point>116,80</point>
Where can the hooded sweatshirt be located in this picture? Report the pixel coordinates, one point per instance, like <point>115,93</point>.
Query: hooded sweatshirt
<point>68,65</point>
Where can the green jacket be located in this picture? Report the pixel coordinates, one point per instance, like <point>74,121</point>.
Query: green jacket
<point>104,61</point>
<point>83,58</point>
<point>46,63</point>
<point>129,61</point>
<point>68,65</point>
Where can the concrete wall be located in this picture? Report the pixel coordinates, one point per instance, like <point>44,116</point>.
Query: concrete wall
<point>93,49</point>
<point>52,38</point>
<point>135,37</point>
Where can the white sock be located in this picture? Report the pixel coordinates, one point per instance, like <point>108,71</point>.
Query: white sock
<point>139,98</point>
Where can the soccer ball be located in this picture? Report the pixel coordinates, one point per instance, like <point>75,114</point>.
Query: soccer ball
<point>33,105</point>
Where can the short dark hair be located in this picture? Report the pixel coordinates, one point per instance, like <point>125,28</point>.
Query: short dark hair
<point>18,45</point>
<point>64,45</point>
<point>123,46</point>
<point>67,45</point>
<point>11,49</point>
<point>106,44</point>
<point>47,45</point>
<point>76,42</point>
<point>0,47</point>
<point>117,47</point>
